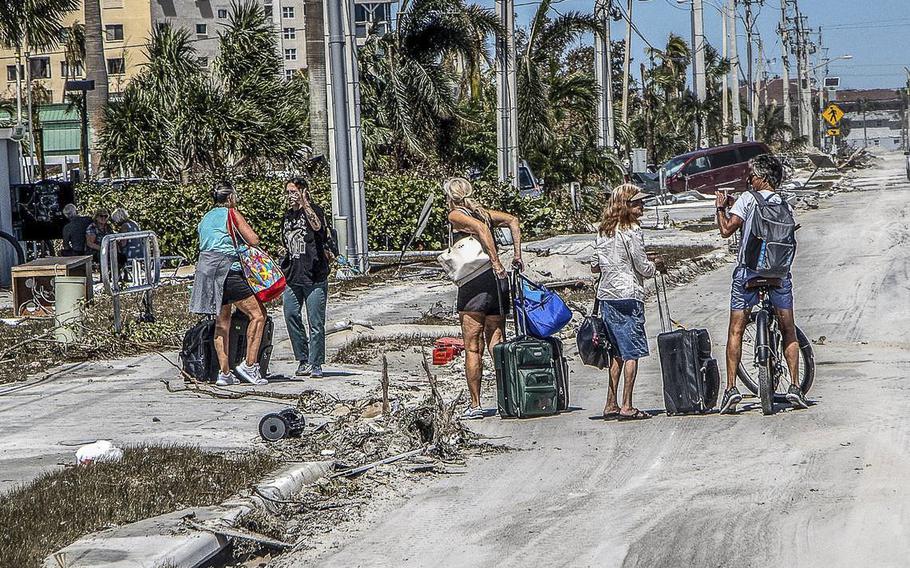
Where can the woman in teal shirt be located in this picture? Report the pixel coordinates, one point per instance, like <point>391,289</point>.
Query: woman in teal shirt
<point>219,284</point>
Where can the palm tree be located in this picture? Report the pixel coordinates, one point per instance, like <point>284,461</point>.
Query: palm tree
<point>176,121</point>
<point>32,25</point>
<point>269,113</point>
<point>556,107</point>
<point>771,128</point>
<point>410,85</point>
<point>73,51</point>
<point>95,70</point>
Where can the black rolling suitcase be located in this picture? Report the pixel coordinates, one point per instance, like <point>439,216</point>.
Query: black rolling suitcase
<point>237,342</point>
<point>198,351</point>
<point>690,374</point>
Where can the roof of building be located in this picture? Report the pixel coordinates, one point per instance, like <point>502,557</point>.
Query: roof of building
<point>855,95</point>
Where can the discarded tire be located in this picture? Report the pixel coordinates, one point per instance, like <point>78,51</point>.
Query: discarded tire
<point>279,425</point>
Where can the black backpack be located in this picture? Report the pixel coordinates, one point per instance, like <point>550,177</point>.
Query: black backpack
<point>198,351</point>
<point>772,239</point>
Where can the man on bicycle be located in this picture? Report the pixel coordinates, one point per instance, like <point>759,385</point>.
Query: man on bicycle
<point>765,176</point>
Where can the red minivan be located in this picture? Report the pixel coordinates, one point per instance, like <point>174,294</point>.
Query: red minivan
<point>710,169</point>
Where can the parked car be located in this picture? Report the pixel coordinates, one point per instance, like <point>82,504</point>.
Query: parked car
<point>528,184</point>
<point>714,168</point>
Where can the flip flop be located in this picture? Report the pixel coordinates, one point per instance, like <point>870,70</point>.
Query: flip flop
<point>608,416</point>
<point>638,415</point>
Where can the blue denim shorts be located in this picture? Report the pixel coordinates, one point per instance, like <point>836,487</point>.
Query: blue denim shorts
<point>742,299</point>
<point>625,321</point>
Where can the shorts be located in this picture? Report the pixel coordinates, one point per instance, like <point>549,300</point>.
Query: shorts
<point>625,321</point>
<point>479,295</point>
<point>742,299</point>
<point>236,288</point>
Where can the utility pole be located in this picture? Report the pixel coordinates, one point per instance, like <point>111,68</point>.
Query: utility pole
<point>734,72</point>
<point>785,64</point>
<point>725,95</point>
<point>698,71</point>
<point>807,90</point>
<point>627,64</point>
<point>750,87</point>
<point>506,96</point>
<point>907,111</point>
<point>603,74</point>
<point>345,144</point>
<point>821,91</point>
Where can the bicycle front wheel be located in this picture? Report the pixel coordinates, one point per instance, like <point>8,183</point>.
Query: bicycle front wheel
<point>748,371</point>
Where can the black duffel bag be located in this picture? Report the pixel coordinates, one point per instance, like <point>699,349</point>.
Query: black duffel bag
<point>593,342</point>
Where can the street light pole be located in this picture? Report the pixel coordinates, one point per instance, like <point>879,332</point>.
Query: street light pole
<point>343,90</point>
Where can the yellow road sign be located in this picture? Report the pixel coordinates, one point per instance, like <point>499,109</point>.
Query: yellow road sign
<point>833,132</point>
<point>833,114</point>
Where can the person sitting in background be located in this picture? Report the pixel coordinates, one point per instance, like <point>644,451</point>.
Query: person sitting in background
<point>74,231</point>
<point>131,249</point>
<point>620,258</point>
<point>95,233</point>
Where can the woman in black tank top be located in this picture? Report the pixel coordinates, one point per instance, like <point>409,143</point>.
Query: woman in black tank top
<point>483,301</point>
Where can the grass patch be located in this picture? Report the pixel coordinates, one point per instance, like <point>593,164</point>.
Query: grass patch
<point>367,348</point>
<point>31,347</point>
<point>57,508</point>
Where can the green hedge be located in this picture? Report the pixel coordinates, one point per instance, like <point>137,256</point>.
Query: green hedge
<point>394,202</point>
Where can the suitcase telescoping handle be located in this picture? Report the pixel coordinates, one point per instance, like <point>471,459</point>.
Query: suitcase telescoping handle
<point>516,288</point>
<point>663,306</point>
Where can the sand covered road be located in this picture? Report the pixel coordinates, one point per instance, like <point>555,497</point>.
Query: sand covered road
<point>822,487</point>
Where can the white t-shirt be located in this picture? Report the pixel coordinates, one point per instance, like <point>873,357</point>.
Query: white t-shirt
<point>744,208</point>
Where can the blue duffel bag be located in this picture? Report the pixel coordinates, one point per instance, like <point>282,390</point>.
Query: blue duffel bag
<point>541,311</point>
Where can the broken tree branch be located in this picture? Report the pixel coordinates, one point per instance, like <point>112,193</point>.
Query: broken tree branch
<point>385,386</point>
<point>363,468</point>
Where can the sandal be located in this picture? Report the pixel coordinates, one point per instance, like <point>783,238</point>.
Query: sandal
<point>637,415</point>
<point>607,416</point>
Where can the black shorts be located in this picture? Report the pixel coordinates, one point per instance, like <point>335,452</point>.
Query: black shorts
<point>479,295</point>
<point>236,288</point>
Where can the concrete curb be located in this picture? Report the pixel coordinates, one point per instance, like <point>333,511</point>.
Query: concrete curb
<point>166,541</point>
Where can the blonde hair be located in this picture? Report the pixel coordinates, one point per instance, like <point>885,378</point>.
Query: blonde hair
<point>458,194</point>
<point>617,214</point>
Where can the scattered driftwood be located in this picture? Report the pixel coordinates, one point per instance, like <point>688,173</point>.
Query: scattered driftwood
<point>385,386</point>
<point>364,468</point>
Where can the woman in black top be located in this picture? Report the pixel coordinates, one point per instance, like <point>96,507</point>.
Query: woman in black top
<point>481,307</point>
<point>307,241</point>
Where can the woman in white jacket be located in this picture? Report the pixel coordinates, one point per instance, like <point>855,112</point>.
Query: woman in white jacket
<point>619,256</point>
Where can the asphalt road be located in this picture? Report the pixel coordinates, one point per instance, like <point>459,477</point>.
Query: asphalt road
<point>825,486</point>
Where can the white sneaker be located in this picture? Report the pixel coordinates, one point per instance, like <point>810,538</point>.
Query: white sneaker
<point>250,373</point>
<point>472,413</point>
<point>227,379</point>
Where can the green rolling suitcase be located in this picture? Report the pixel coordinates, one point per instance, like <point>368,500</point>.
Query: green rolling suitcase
<point>528,381</point>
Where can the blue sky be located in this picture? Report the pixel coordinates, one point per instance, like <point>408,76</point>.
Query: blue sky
<point>874,32</point>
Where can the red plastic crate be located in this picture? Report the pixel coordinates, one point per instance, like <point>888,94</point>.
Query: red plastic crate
<point>443,355</point>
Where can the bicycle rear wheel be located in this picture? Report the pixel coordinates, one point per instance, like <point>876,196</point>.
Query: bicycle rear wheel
<point>748,371</point>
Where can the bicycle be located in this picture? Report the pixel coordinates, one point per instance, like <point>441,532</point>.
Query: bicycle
<point>770,376</point>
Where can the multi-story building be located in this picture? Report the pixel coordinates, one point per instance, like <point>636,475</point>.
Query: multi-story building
<point>127,25</point>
